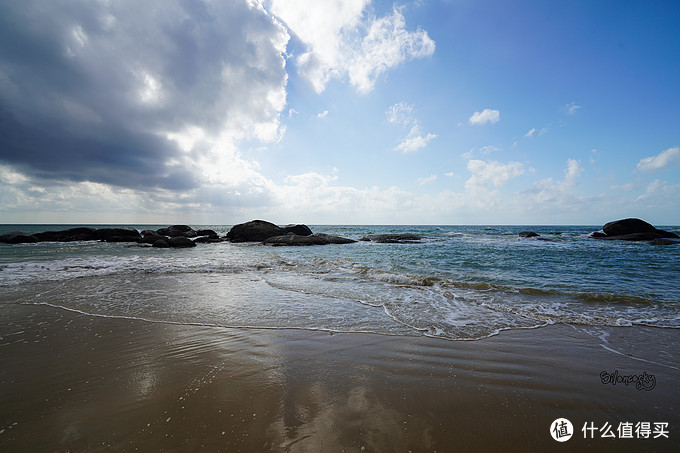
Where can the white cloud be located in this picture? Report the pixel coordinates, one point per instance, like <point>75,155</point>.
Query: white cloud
<point>484,150</point>
<point>400,113</point>
<point>664,159</point>
<point>548,192</point>
<point>486,116</point>
<point>531,132</point>
<point>571,108</point>
<point>343,41</point>
<point>450,174</point>
<point>322,114</point>
<point>414,141</point>
<point>427,180</point>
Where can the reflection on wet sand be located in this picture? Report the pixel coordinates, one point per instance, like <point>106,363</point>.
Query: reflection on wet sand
<point>73,382</point>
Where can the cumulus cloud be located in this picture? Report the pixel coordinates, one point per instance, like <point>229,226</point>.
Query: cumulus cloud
<point>486,116</point>
<point>400,113</point>
<point>115,92</point>
<point>404,114</point>
<point>414,141</point>
<point>427,180</point>
<point>558,193</point>
<point>665,159</point>
<point>342,40</point>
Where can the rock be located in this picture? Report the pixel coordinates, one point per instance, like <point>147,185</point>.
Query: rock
<point>294,239</point>
<point>209,233</point>
<point>393,238</point>
<point>597,235</point>
<point>632,230</point>
<point>627,226</point>
<point>17,237</point>
<point>149,237</point>
<point>254,231</point>
<point>69,235</point>
<point>161,244</point>
<point>118,234</point>
<point>664,241</point>
<point>527,234</point>
<point>207,240</point>
<point>181,242</point>
<point>301,230</point>
<point>177,230</point>
<point>330,239</point>
<point>650,236</point>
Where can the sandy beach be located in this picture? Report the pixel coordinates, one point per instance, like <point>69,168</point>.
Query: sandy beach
<point>75,382</point>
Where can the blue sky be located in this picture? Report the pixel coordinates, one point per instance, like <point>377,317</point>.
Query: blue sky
<point>346,111</point>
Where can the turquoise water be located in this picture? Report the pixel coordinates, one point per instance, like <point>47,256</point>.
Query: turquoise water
<point>460,282</point>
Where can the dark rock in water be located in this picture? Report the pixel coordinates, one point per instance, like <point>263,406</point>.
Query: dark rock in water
<point>118,234</point>
<point>330,239</point>
<point>181,242</point>
<point>627,226</point>
<point>294,239</point>
<point>393,238</point>
<point>632,230</point>
<point>664,241</point>
<point>161,244</point>
<point>69,235</point>
<point>207,240</point>
<point>254,231</point>
<point>650,236</point>
<point>313,239</point>
<point>177,230</point>
<point>302,230</point>
<point>17,237</point>
<point>149,237</point>
<point>527,234</point>
<point>209,233</point>
<point>597,235</point>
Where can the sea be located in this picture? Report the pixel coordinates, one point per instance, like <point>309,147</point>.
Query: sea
<point>457,283</point>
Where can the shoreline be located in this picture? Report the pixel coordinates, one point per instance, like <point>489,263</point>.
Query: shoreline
<point>75,382</point>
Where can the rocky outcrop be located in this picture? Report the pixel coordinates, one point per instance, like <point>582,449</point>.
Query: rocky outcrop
<point>294,239</point>
<point>312,239</point>
<point>207,233</point>
<point>254,231</point>
<point>301,230</point>
<point>118,234</point>
<point>69,235</point>
<point>17,237</point>
<point>330,239</point>
<point>664,241</point>
<point>393,238</point>
<point>181,242</point>
<point>632,230</point>
<point>177,231</point>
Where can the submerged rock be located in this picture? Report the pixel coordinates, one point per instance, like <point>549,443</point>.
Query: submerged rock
<point>664,241</point>
<point>403,238</point>
<point>527,234</point>
<point>330,239</point>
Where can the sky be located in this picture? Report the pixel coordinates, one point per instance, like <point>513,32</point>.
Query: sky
<point>440,112</point>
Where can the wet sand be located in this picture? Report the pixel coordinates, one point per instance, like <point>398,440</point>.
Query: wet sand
<point>74,382</point>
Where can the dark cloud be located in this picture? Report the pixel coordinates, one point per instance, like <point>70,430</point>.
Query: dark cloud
<point>89,90</point>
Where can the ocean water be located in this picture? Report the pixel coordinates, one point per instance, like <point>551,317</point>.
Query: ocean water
<point>460,282</point>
